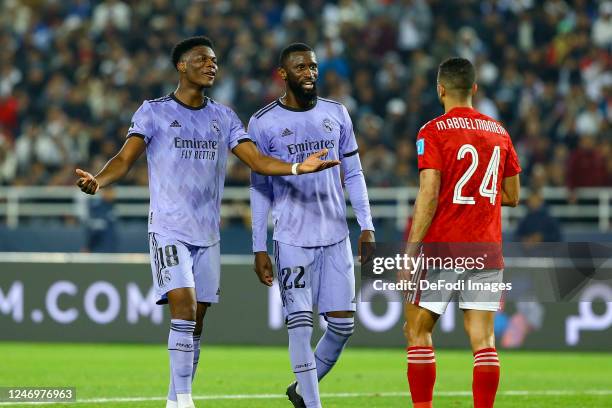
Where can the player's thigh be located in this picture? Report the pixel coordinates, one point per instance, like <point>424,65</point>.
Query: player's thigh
<point>182,303</point>
<point>481,290</point>
<point>294,271</point>
<point>433,290</point>
<point>207,273</point>
<point>480,300</point>
<point>171,265</point>
<point>337,279</point>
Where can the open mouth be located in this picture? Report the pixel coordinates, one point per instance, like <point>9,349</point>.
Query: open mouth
<point>309,85</point>
<point>209,75</point>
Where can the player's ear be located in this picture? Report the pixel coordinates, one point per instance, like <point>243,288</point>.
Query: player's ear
<point>182,66</point>
<point>474,89</point>
<point>441,90</point>
<point>283,74</point>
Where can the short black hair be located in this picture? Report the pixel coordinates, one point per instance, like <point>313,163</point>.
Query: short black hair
<point>457,75</point>
<point>291,48</point>
<point>185,45</point>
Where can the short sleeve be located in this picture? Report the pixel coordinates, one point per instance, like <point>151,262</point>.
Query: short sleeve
<point>348,143</point>
<point>512,166</point>
<point>237,133</point>
<point>428,151</point>
<point>142,124</point>
<point>256,136</point>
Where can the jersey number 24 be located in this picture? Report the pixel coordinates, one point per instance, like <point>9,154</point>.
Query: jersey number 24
<point>488,186</point>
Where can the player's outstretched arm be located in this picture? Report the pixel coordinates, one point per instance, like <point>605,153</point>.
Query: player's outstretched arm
<point>115,168</point>
<point>269,166</point>
<point>511,189</point>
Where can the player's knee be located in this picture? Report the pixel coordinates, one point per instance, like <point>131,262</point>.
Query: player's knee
<point>299,327</point>
<point>417,334</point>
<point>184,311</point>
<point>342,328</point>
<point>480,339</point>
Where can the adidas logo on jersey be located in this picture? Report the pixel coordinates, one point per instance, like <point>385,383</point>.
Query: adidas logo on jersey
<point>175,124</point>
<point>286,132</point>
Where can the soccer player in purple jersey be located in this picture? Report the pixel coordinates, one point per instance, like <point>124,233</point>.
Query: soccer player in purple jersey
<point>312,251</point>
<point>187,137</point>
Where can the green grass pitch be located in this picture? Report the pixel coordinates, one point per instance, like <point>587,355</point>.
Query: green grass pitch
<point>108,375</point>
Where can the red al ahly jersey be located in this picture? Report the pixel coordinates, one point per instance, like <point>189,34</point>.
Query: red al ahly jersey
<point>474,154</point>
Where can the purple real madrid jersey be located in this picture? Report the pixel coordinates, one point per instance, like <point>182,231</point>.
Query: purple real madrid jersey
<point>307,210</point>
<point>187,151</point>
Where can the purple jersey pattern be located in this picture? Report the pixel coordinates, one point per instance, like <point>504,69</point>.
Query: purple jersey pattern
<point>187,151</point>
<point>308,210</point>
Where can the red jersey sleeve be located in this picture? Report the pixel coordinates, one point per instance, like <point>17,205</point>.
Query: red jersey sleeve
<point>428,151</point>
<point>512,166</point>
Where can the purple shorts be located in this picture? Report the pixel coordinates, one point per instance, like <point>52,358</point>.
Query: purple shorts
<point>176,264</point>
<point>322,276</point>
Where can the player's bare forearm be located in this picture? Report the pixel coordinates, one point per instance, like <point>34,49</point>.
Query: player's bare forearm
<point>269,166</point>
<point>426,205</point>
<point>248,153</point>
<point>115,168</point>
<point>366,246</point>
<point>508,201</point>
<point>511,189</point>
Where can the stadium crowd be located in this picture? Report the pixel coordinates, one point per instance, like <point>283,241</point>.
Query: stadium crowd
<point>72,73</point>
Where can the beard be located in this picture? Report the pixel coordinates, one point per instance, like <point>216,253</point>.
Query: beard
<point>302,94</point>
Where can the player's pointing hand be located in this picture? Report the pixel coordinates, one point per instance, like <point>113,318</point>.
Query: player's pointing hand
<point>86,182</point>
<point>314,163</point>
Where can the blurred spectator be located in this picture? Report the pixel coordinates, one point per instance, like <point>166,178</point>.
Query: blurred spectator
<point>100,223</point>
<point>72,73</point>
<point>586,166</point>
<point>602,28</point>
<point>8,163</point>
<point>111,14</point>
<point>538,225</point>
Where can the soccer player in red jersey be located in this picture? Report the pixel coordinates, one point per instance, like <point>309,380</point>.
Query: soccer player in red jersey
<point>468,169</point>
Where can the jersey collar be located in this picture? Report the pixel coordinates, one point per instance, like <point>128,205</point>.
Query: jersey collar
<point>282,105</point>
<point>461,109</point>
<point>175,99</point>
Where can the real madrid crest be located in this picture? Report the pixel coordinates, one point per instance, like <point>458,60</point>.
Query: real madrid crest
<point>328,125</point>
<point>166,277</point>
<point>214,125</point>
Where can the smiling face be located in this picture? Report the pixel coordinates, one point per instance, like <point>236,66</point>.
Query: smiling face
<point>300,71</point>
<point>199,66</point>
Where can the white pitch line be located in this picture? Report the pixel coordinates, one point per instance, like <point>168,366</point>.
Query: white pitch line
<point>509,393</point>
